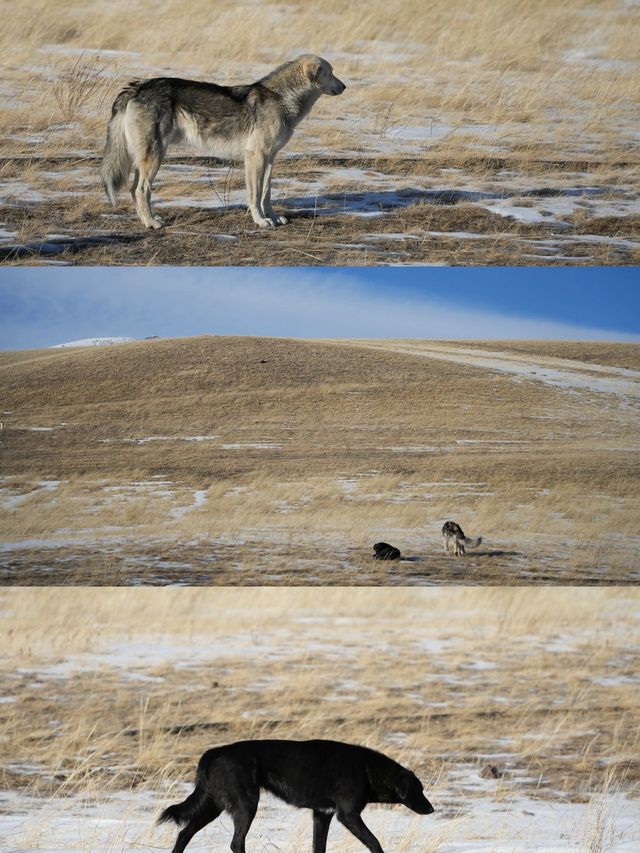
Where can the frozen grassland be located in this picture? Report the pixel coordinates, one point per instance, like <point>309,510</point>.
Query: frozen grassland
<point>491,133</point>
<point>108,700</point>
<point>283,461</point>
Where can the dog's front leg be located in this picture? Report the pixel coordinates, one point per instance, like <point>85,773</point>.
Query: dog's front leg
<point>354,823</point>
<point>267,207</point>
<point>255,166</point>
<point>321,821</point>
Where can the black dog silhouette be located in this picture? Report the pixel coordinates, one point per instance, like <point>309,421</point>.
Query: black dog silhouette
<point>384,551</point>
<point>329,777</point>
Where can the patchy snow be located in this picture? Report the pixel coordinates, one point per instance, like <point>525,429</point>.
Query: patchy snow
<point>347,485</point>
<point>249,445</point>
<point>70,50</point>
<point>594,238</point>
<point>522,214</point>
<point>331,190</point>
<point>199,499</point>
<point>563,373</point>
<point>491,441</point>
<point>462,235</point>
<point>470,817</point>
<point>589,56</point>
<point>94,342</point>
<point>412,448</point>
<point>153,488</point>
<point>617,680</point>
<point>390,235</point>
<point>9,498</point>
<point>419,133</point>
<point>143,654</point>
<point>19,191</point>
<point>146,439</point>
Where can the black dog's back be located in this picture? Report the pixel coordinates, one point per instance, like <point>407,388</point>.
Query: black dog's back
<point>308,773</point>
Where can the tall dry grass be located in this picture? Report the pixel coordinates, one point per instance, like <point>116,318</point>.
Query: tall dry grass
<point>531,71</point>
<point>125,691</point>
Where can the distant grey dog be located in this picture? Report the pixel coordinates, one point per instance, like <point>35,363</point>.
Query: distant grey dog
<point>250,123</point>
<point>455,540</point>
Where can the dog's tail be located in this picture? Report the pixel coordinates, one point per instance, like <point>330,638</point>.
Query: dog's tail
<point>192,807</point>
<point>116,160</point>
<point>472,543</point>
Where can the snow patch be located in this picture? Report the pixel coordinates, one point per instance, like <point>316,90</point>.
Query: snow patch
<point>94,342</point>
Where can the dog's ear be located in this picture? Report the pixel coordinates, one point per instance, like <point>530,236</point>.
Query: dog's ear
<point>402,786</point>
<point>312,68</point>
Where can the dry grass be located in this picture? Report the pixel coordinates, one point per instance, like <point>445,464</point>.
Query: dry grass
<point>126,690</point>
<point>499,63</point>
<point>496,97</point>
<point>257,460</point>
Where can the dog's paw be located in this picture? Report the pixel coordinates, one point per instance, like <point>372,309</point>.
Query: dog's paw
<point>155,223</point>
<point>263,222</point>
<point>282,220</point>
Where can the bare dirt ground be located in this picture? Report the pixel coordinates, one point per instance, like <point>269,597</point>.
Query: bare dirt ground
<point>123,693</point>
<point>229,461</point>
<point>498,134</point>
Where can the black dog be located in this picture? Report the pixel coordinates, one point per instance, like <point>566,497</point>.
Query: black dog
<point>324,775</point>
<point>384,551</point>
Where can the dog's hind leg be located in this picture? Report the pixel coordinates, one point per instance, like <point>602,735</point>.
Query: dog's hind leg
<point>195,825</point>
<point>321,821</point>
<point>148,169</point>
<point>267,207</point>
<point>134,185</point>
<point>255,165</point>
<point>147,138</point>
<point>356,826</point>
<point>243,813</point>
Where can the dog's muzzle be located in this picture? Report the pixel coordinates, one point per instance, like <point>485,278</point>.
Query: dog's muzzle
<point>338,88</point>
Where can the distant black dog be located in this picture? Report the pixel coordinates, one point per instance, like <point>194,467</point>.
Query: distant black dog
<point>384,551</point>
<point>324,775</point>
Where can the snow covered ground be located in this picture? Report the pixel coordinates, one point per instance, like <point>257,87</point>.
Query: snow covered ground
<point>372,195</point>
<point>94,342</point>
<point>480,823</point>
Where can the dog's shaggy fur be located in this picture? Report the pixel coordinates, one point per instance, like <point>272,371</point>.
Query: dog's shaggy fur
<point>455,540</point>
<point>250,123</point>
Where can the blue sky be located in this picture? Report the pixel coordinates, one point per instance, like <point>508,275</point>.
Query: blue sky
<point>40,307</point>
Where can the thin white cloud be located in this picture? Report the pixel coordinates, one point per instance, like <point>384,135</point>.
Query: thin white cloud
<point>70,304</point>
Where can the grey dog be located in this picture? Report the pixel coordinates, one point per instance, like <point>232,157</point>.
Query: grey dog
<point>250,123</point>
<point>455,540</point>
